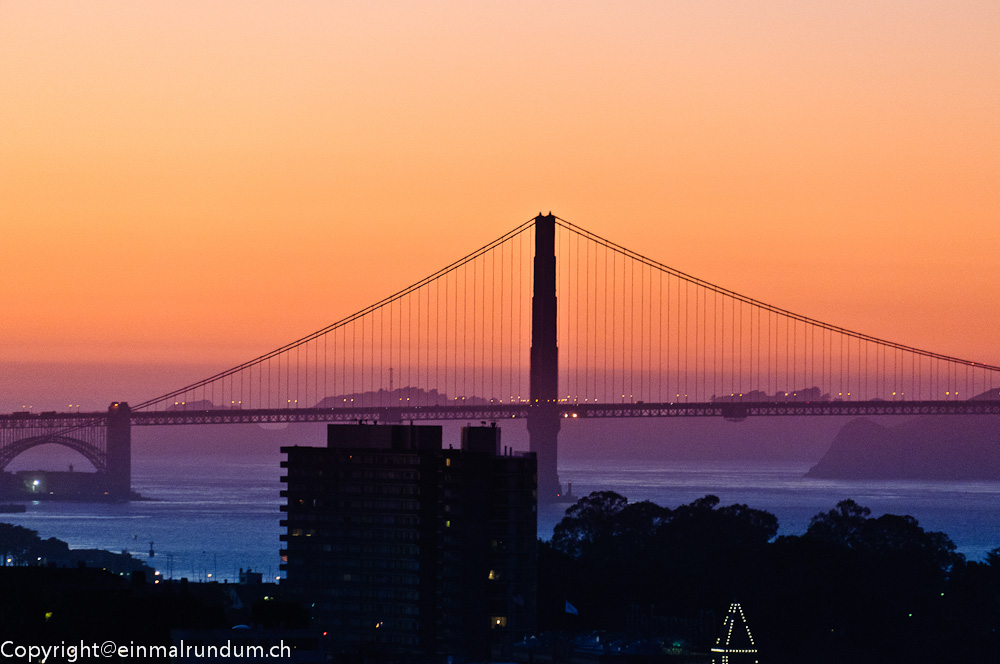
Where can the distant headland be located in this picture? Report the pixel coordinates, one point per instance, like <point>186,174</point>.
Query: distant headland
<point>925,448</point>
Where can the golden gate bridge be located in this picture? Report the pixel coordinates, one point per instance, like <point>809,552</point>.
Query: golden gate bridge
<point>545,323</point>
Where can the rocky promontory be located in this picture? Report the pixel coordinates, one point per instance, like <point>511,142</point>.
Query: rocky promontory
<point>942,447</point>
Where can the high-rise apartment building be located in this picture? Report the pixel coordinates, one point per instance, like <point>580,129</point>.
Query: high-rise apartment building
<point>399,545</point>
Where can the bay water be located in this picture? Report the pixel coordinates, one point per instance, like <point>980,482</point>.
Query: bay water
<point>206,520</point>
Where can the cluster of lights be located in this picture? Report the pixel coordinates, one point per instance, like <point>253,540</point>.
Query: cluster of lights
<point>511,399</point>
<point>734,615</point>
<point>518,399</point>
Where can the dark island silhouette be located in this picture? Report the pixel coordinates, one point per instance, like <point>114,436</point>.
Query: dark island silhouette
<point>924,448</point>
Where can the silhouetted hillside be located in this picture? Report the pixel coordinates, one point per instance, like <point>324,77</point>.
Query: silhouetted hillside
<point>943,447</point>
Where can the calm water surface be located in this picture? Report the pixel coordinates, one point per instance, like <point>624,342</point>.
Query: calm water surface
<point>217,516</point>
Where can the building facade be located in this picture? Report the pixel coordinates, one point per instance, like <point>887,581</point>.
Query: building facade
<point>400,546</point>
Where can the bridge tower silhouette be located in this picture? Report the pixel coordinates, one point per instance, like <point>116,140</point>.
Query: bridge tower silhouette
<point>543,416</point>
<point>549,321</point>
<point>118,448</point>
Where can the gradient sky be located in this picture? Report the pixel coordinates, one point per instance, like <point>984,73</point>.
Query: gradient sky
<point>185,185</point>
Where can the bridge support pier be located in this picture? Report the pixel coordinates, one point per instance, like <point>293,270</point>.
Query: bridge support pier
<point>543,438</point>
<point>543,418</point>
<point>119,451</point>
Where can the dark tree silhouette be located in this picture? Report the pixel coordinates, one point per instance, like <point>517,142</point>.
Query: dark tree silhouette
<point>643,559</point>
<point>591,519</point>
<point>17,544</point>
<point>852,588</point>
<point>841,526</point>
<point>857,588</point>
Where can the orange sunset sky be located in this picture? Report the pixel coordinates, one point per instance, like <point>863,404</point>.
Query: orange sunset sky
<point>185,185</point>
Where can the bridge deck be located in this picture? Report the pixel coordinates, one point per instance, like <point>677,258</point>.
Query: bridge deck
<point>496,412</point>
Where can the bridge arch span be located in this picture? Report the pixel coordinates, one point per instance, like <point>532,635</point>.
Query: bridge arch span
<point>94,455</point>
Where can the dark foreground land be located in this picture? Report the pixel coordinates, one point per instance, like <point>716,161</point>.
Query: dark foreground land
<point>851,589</point>
<point>619,582</point>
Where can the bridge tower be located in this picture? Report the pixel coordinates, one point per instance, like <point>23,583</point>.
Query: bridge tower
<point>543,416</point>
<point>119,450</point>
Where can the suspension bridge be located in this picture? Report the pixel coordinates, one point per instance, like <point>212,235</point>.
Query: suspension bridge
<point>545,323</point>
